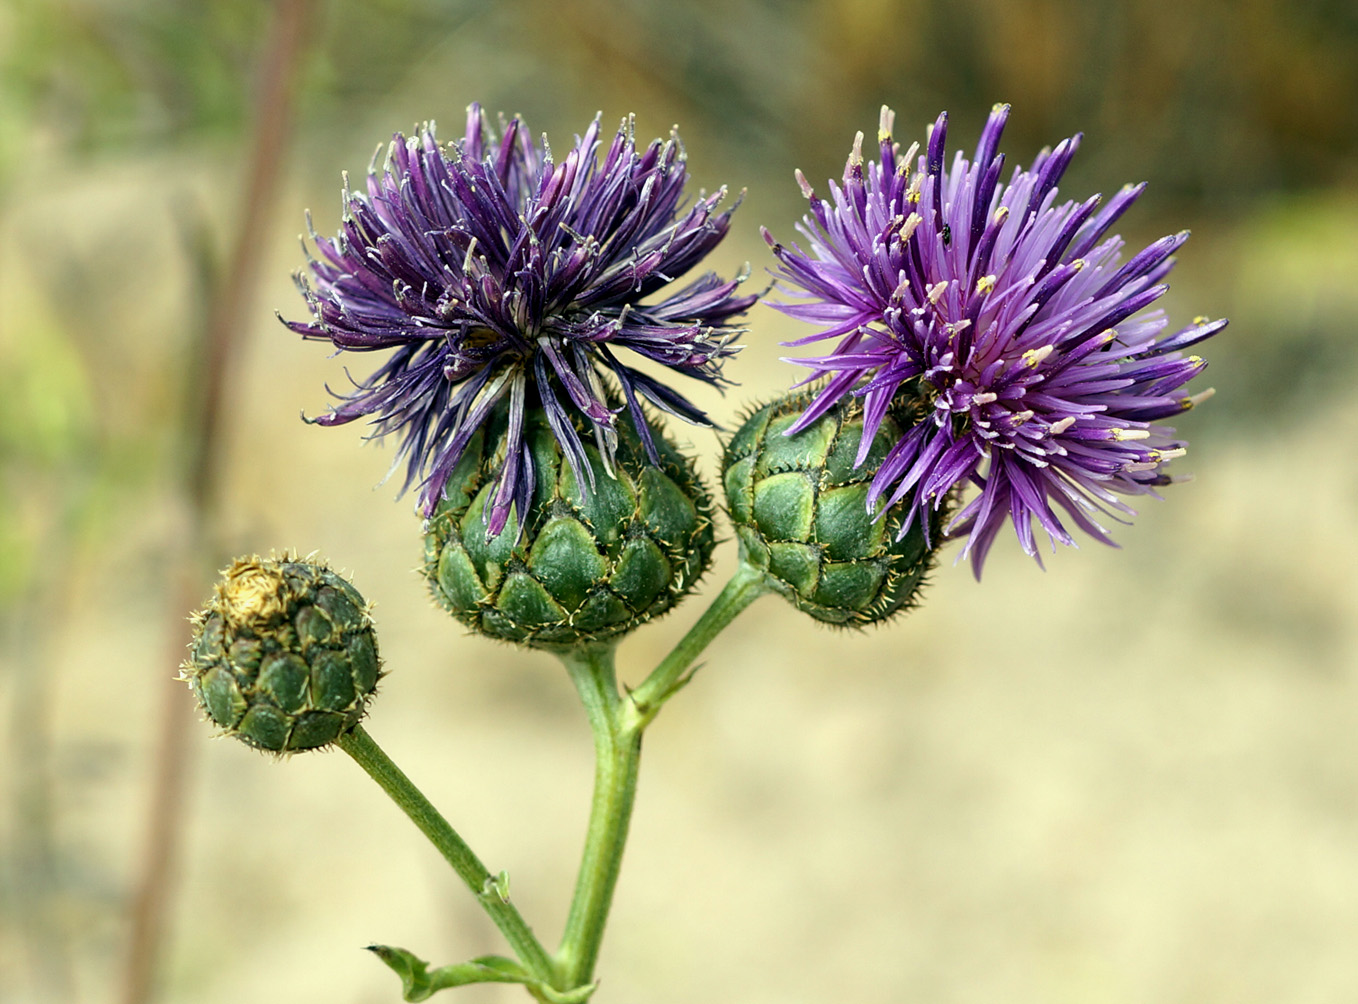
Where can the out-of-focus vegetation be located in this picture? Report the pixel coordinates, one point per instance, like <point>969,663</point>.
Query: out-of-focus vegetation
<point>1130,779</point>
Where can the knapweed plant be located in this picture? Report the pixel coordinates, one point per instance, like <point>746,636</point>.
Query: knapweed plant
<point>992,357</point>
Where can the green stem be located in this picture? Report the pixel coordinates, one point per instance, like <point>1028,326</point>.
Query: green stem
<point>488,889</point>
<point>617,753</point>
<point>618,723</point>
<point>744,587</point>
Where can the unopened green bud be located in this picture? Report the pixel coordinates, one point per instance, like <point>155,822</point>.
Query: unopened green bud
<point>586,563</point>
<point>799,505</point>
<point>284,656</point>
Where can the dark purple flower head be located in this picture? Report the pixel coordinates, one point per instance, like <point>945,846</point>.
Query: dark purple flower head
<point>496,276</point>
<point>1011,317</point>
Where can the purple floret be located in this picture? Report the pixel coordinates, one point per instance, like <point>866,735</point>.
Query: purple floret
<point>1011,317</point>
<point>492,274</point>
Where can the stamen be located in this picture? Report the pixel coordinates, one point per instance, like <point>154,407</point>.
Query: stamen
<point>1034,357</point>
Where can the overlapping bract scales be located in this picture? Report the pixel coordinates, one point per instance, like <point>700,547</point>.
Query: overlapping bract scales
<point>1012,316</point>
<point>490,271</point>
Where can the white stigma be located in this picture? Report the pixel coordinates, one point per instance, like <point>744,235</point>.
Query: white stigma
<point>1196,399</point>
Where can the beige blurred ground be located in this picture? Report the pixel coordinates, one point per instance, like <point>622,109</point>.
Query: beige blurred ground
<point>1130,778</point>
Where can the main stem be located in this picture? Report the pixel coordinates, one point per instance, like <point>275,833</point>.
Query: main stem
<point>617,753</point>
<point>485,886</point>
<point>617,723</point>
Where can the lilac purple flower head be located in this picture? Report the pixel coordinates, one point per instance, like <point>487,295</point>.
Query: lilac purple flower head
<point>1011,316</point>
<point>497,277</point>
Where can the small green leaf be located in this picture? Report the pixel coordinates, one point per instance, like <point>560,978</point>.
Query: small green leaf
<point>498,887</point>
<point>419,982</point>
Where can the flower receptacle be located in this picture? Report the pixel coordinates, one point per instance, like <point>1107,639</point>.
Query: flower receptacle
<point>799,504</point>
<point>284,657</point>
<point>588,562</point>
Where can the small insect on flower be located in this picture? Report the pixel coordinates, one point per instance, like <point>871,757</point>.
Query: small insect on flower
<point>1011,318</point>
<point>492,273</point>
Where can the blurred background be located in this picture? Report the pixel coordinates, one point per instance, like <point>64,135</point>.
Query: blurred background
<point>1132,777</point>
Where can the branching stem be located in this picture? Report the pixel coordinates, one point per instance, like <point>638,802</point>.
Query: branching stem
<point>488,889</point>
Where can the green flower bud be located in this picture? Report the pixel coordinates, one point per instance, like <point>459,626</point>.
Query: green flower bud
<point>586,563</point>
<point>284,656</point>
<point>799,505</point>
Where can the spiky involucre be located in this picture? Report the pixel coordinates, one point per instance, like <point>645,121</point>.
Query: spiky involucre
<point>585,566</point>
<point>491,273</point>
<point>284,656</point>
<point>1009,315</point>
<point>798,503</point>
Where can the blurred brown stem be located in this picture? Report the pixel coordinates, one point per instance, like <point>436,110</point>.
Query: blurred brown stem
<point>229,307</point>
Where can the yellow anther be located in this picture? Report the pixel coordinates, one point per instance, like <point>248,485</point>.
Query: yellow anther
<point>936,291</point>
<point>985,284</point>
<point>1122,435</point>
<point>884,124</point>
<point>908,227</point>
<point>1034,357</point>
<point>1196,399</point>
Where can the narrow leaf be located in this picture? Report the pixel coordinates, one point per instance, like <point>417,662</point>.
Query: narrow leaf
<point>419,982</point>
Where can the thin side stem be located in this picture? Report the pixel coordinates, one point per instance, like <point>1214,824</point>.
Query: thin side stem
<point>745,586</point>
<point>617,754</point>
<point>487,888</point>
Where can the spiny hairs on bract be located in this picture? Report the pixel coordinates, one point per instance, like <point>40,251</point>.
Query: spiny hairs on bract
<point>493,274</point>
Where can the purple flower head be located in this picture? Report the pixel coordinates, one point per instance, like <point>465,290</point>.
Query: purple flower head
<point>1011,317</point>
<point>497,277</point>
